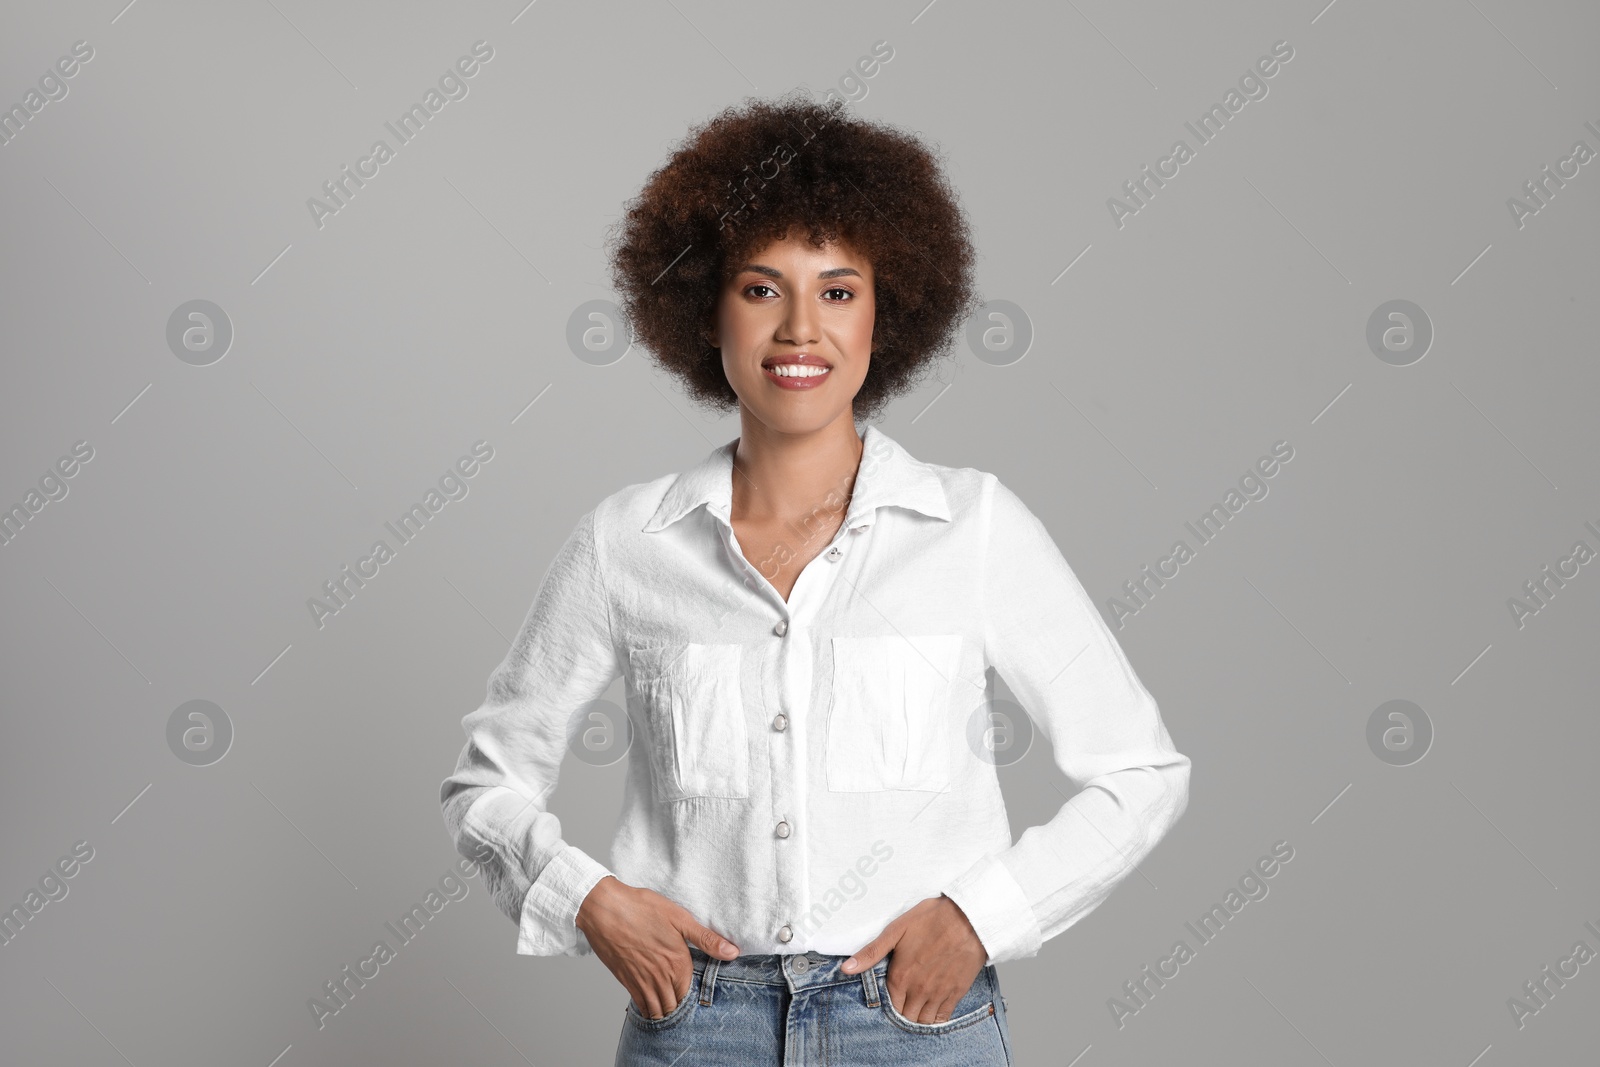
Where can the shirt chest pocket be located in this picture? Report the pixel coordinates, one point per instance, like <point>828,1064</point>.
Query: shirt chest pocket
<point>889,725</point>
<point>693,720</point>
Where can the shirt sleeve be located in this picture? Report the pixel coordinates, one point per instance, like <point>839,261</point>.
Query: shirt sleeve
<point>495,802</point>
<point>1044,636</point>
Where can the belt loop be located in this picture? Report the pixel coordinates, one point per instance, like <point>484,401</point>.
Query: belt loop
<point>708,980</point>
<point>869,986</point>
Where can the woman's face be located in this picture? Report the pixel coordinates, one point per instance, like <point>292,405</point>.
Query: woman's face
<point>795,328</point>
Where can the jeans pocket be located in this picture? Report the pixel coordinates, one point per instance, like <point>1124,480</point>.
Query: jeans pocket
<point>680,1011</point>
<point>974,1007</point>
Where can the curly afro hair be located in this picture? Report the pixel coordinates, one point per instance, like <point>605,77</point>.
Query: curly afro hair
<point>752,175</point>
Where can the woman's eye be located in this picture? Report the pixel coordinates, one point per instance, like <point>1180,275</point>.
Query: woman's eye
<point>847,293</point>
<point>758,285</point>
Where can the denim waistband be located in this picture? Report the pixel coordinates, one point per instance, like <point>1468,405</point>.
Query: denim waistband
<point>800,970</point>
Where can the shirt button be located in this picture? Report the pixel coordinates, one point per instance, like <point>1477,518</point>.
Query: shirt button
<point>782,628</point>
<point>783,828</point>
<point>785,934</point>
<point>834,554</point>
<point>780,721</point>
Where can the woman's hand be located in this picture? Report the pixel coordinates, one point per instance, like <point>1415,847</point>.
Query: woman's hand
<point>640,936</point>
<point>937,955</point>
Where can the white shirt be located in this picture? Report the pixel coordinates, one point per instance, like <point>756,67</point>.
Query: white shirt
<point>804,772</point>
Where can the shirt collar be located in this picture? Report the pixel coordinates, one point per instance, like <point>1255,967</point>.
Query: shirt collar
<point>889,476</point>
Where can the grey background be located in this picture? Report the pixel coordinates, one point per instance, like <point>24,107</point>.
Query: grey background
<point>1229,314</point>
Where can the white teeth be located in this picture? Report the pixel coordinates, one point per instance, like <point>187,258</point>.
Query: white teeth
<point>797,370</point>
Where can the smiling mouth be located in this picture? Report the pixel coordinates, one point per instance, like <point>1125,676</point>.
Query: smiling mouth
<point>801,370</point>
<point>797,370</point>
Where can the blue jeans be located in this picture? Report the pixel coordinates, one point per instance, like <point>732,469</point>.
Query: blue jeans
<point>799,1010</point>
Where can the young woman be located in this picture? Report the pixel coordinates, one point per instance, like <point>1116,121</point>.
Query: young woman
<point>813,862</point>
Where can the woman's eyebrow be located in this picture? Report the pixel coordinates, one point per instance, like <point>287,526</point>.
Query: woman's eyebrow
<point>770,272</point>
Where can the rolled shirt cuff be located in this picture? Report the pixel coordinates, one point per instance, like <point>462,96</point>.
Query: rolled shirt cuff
<point>550,910</point>
<point>994,903</point>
